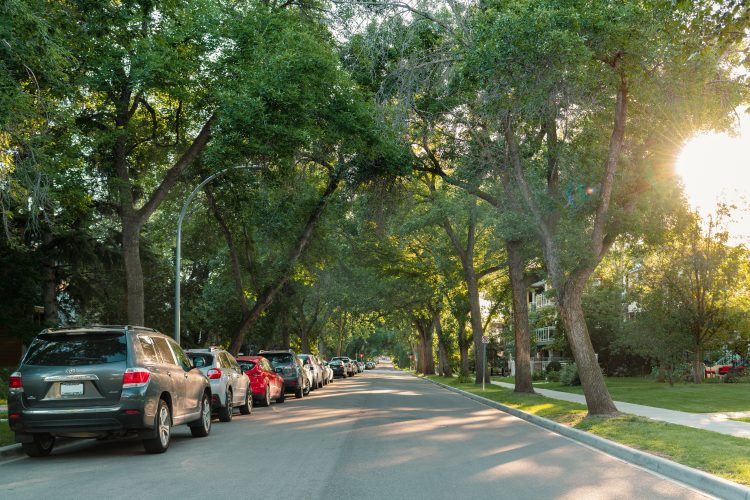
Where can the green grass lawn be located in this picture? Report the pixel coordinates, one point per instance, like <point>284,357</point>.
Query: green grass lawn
<point>724,456</point>
<point>742,419</point>
<point>693,398</point>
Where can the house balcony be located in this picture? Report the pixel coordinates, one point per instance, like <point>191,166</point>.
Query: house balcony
<point>544,335</point>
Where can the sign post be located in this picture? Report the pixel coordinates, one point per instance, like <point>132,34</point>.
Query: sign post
<point>485,341</point>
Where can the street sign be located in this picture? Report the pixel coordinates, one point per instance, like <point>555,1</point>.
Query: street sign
<point>361,355</point>
<point>485,339</point>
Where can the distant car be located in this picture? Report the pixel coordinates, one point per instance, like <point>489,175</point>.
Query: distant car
<point>338,368</point>
<point>295,378</point>
<point>369,365</point>
<point>348,364</point>
<point>361,366</point>
<point>102,381</point>
<point>327,372</point>
<point>265,382</point>
<point>230,387</point>
<point>312,364</point>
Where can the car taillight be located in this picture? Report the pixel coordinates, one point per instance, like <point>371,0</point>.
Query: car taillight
<point>15,381</point>
<point>135,377</point>
<point>214,373</point>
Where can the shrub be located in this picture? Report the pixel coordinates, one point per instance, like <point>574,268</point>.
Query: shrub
<point>537,376</point>
<point>464,379</point>
<point>569,375</point>
<point>553,376</point>
<point>553,366</point>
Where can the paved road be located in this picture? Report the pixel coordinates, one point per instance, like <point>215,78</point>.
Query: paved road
<point>383,434</point>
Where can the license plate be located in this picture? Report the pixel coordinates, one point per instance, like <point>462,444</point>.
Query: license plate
<point>71,389</point>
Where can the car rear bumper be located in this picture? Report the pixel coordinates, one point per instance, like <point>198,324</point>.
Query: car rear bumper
<point>128,414</point>
<point>105,419</point>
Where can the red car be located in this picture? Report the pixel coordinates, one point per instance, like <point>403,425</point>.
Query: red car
<point>265,383</point>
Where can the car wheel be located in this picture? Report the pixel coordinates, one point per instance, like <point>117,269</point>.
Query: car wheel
<point>163,428</point>
<point>247,406</point>
<point>41,446</point>
<point>306,390</point>
<point>299,391</point>
<point>282,397</point>
<point>266,401</point>
<point>225,413</point>
<point>202,427</point>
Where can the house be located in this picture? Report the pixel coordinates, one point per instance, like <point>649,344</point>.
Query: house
<point>542,319</point>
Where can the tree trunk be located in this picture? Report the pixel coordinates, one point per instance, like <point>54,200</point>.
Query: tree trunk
<point>699,370</point>
<point>303,241</point>
<point>598,399</point>
<point>49,290</point>
<point>520,317</point>
<point>131,250</point>
<point>304,343</point>
<point>444,366</point>
<point>285,333</point>
<point>463,347</point>
<point>476,325</point>
<point>426,362</point>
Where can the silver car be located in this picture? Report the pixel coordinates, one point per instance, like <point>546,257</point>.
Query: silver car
<point>230,386</point>
<point>102,381</point>
<point>312,366</point>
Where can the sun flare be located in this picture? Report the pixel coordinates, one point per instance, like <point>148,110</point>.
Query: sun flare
<point>715,168</point>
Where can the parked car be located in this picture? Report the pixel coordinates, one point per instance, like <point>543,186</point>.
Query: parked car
<point>361,366</point>
<point>296,379</point>
<point>265,383</point>
<point>312,364</point>
<point>327,372</point>
<point>102,381</point>
<point>338,367</point>
<point>369,365</point>
<point>348,363</point>
<point>230,387</point>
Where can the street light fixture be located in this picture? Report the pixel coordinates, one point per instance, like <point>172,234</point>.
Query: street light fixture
<point>178,245</point>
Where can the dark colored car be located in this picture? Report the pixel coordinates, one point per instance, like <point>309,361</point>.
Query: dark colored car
<point>288,365</point>
<point>348,364</point>
<point>338,367</point>
<point>266,384</point>
<point>102,381</point>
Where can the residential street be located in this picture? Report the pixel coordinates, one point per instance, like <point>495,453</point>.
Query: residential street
<point>383,434</point>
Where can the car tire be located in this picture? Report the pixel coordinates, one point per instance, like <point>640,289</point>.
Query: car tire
<point>225,413</point>
<point>299,392</point>
<point>247,406</point>
<point>202,427</point>
<point>281,398</point>
<point>41,446</point>
<point>307,389</point>
<point>163,428</point>
<point>266,401</point>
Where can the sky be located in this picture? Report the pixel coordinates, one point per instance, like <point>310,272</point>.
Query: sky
<point>716,167</point>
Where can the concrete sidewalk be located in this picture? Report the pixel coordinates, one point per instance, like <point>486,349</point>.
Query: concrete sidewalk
<point>717,422</point>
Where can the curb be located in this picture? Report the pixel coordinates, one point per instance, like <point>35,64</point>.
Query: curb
<point>697,479</point>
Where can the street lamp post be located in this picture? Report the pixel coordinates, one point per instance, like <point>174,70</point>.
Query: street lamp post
<point>178,243</point>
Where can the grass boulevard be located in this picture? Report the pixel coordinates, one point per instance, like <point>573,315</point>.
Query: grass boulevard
<point>724,456</point>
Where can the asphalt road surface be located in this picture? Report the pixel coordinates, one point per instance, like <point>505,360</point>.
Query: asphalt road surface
<point>382,434</point>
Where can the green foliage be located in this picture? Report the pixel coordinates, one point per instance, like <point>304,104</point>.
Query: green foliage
<point>553,366</point>
<point>569,375</point>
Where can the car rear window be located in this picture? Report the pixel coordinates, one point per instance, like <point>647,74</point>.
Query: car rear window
<point>201,359</point>
<point>279,359</point>
<point>72,350</point>
<point>246,365</point>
